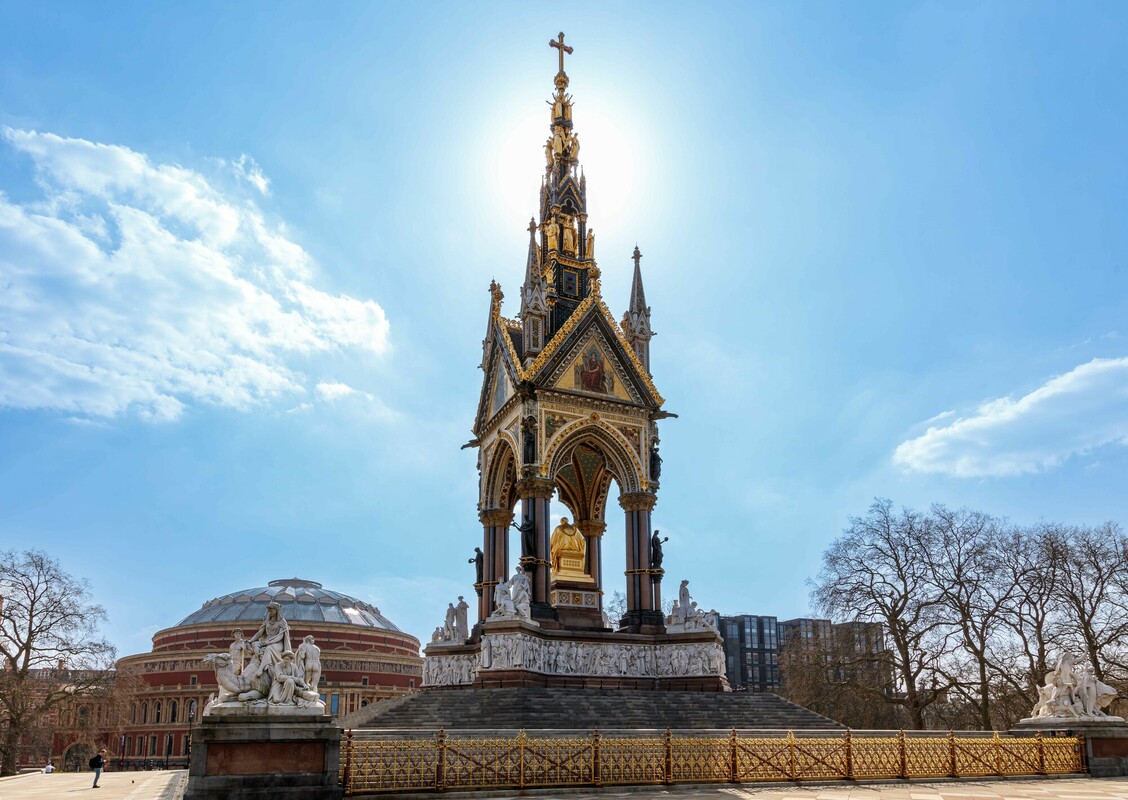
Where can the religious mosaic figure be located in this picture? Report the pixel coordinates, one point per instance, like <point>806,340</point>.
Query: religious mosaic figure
<point>566,542</point>
<point>591,374</point>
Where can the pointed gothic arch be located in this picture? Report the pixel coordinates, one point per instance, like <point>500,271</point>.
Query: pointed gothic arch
<point>622,462</point>
<point>500,485</point>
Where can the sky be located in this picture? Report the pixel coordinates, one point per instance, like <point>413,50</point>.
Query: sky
<point>245,252</point>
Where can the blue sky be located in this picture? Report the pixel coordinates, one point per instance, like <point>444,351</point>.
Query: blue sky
<point>245,252</point>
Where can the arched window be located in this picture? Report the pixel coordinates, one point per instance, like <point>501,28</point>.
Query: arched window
<point>172,711</point>
<point>133,713</point>
<point>157,712</point>
<point>144,713</point>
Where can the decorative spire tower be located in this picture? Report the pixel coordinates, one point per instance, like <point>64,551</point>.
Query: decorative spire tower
<point>568,412</point>
<point>636,322</point>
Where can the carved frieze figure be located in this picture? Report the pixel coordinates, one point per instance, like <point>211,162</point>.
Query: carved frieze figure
<point>309,658</point>
<point>656,550</point>
<point>479,562</point>
<point>566,542</point>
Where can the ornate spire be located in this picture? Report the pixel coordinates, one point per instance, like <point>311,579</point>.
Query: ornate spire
<point>636,322</point>
<point>566,257</point>
<point>534,300</point>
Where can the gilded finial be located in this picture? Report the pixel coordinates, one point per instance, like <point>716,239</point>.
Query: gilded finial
<point>532,225</point>
<point>561,76</point>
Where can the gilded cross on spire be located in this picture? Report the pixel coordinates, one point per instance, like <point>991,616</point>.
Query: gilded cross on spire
<point>558,43</point>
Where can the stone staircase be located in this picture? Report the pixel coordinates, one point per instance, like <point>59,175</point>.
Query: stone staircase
<point>585,709</point>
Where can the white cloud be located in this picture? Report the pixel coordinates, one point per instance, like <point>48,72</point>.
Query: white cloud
<point>135,287</point>
<point>331,391</point>
<point>1069,415</point>
<point>249,170</point>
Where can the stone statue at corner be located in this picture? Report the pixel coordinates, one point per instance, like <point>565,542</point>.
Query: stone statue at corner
<point>1072,694</point>
<point>272,682</point>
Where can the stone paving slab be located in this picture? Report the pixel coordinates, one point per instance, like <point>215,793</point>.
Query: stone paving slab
<point>1008,789</point>
<point>155,785</point>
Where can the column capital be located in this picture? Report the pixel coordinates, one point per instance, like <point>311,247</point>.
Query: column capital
<point>638,501</point>
<point>496,517</point>
<point>592,528</point>
<point>535,487</point>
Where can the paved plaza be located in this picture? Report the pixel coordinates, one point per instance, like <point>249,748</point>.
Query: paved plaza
<point>170,786</point>
<point>157,785</point>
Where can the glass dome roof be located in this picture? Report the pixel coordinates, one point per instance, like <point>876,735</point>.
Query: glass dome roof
<point>301,601</point>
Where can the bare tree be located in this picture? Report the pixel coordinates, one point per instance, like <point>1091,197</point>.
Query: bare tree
<point>49,647</point>
<point>877,572</point>
<point>1089,586</point>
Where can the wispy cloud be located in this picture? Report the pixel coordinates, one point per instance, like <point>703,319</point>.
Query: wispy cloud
<point>1069,415</point>
<point>136,287</point>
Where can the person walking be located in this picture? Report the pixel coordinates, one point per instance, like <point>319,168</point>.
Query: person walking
<point>97,763</point>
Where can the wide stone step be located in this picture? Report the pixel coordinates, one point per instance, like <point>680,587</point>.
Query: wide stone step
<point>546,709</point>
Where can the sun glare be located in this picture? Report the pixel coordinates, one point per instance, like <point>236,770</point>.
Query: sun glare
<point>606,155</point>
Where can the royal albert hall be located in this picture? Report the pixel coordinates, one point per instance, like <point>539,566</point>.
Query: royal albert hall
<point>365,658</point>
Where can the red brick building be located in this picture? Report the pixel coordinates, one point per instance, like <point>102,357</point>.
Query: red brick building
<point>365,658</point>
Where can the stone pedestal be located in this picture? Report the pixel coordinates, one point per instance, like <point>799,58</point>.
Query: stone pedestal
<point>1106,742</point>
<point>261,756</point>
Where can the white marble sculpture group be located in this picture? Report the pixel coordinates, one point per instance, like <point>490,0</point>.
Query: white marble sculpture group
<point>610,659</point>
<point>1072,693</point>
<point>455,628</point>
<point>513,597</point>
<point>686,617</point>
<point>263,675</point>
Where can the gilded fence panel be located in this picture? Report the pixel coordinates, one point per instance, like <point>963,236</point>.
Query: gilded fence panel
<point>763,759</point>
<point>558,762</point>
<point>928,757</point>
<point>1019,755</point>
<point>625,761</point>
<point>820,758</point>
<point>876,757</point>
<point>1063,754</point>
<point>482,763</point>
<point>392,765</point>
<point>373,765</point>
<point>975,757</point>
<point>699,759</point>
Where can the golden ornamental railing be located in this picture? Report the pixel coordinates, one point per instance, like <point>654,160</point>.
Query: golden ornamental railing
<point>374,762</point>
